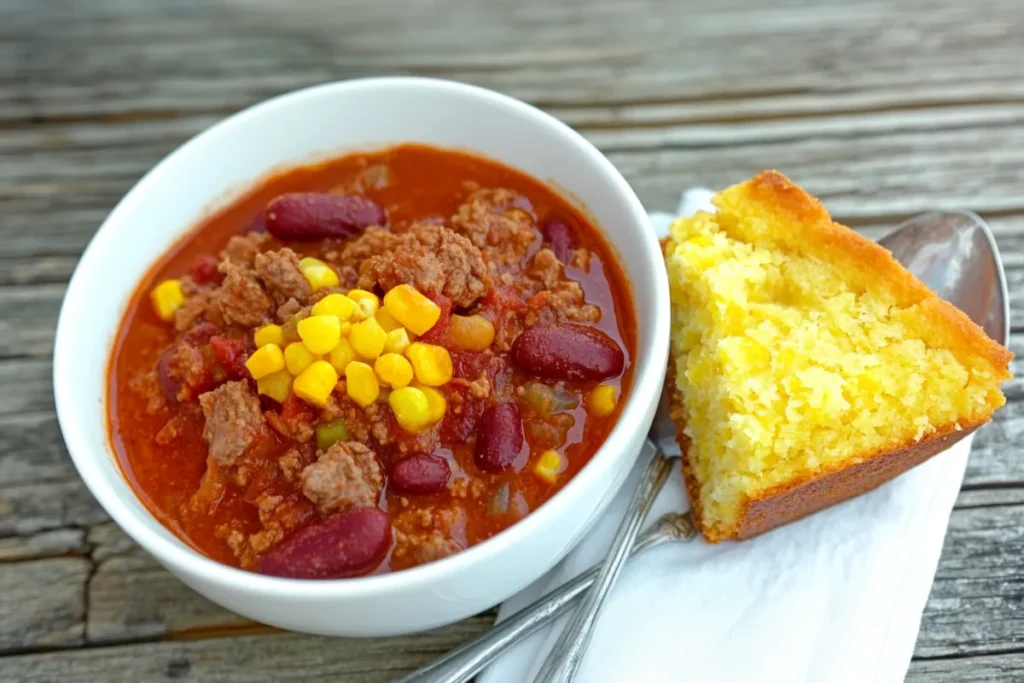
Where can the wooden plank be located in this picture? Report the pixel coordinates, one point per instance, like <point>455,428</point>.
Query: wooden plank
<point>863,176</point>
<point>31,508</point>
<point>131,597</point>
<point>43,604</point>
<point>974,604</point>
<point>972,609</point>
<point>28,319</point>
<point>34,387</point>
<point>1001,667</point>
<point>569,53</point>
<point>272,657</point>
<point>32,450</point>
<point>50,543</point>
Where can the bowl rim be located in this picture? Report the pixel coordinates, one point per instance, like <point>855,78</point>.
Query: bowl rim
<point>90,458</point>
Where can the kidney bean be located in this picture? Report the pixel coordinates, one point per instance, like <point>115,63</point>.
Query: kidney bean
<point>201,334</point>
<point>317,215</point>
<point>420,474</point>
<point>567,351</point>
<point>349,543</point>
<point>163,373</point>
<point>203,269</point>
<point>559,236</point>
<point>499,438</point>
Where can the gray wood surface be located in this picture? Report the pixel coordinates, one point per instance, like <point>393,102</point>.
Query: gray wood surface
<point>882,108</point>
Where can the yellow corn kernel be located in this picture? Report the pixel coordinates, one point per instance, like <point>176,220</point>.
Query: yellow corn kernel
<point>386,320</point>
<point>317,273</point>
<point>367,338</point>
<point>393,370</point>
<point>411,408</point>
<point>320,333</point>
<point>337,305</point>
<point>360,383</point>
<point>601,401</point>
<point>265,360</point>
<point>341,355</point>
<point>166,297</point>
<point>269,334</point>
<point>548,465</point>
<point>412,309</point>
<point>366,304</point>
<point>397,341</point>
<point>316,383</point>
<point>432,364</point>
<point>436,400</point>
<point>276,385</point>
<point>297,358</point>
<point>346,328</point>
<point>471,332</point>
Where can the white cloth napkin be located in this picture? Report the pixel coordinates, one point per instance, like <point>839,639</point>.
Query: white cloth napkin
<point>836,597</point>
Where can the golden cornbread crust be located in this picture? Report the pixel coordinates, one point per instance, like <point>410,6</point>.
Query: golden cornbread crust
<point>861,261</point>
<point>777,194</point>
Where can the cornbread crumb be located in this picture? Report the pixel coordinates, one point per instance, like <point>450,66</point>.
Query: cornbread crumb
<point>801,350</point>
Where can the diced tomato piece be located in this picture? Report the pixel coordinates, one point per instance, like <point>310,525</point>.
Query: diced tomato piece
<point>468,364</point>
<point>204,269</point>
<point>230,353</point>
<point>439,332</point>
<point>503,299</point>
<point>464,412</point>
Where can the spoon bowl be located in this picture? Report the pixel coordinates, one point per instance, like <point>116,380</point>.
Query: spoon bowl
<point>955,254</point>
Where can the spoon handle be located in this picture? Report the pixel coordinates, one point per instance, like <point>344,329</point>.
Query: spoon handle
<point>564,659</point>
<point>467,660</point>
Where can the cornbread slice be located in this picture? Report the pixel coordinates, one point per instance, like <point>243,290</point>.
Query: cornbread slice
<point>809,366</point>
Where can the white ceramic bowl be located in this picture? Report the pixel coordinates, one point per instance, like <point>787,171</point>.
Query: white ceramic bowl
<point>298,128</point>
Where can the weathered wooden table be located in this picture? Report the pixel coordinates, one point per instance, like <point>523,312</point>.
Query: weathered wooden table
<point>883,108</point>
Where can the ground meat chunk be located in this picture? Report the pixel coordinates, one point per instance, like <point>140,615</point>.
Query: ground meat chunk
<point>281,277</point>
<point>557,298</point>
<point>425,535</point>
<point>291,464</point>
<point>372,242</point>
<point>296,421</point>
<point>242,249</point>
<point>480,387</point>
<point>434,260</point>
<point>499,221</point>
<point>147,385</point>
<point>376,422</point>
<point>170,431</point>
<point>564,303</point>
<point>468,488</point>
<point>240,298</point>
<point>188,371</point>
<point>346,475</point>
<point>287,310</point>
<point>545,268</point>
<point>198,305</point>
<point>233,421</point>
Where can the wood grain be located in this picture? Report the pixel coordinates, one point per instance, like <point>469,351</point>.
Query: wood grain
<point>270,657</point>
<point>1001,667</point>
<point>43,604</point>
<point>884,109</point>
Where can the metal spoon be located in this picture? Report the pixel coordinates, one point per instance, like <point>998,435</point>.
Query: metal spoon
<point>467,660</point>
<point>953,252</point>
<point>565,657</point>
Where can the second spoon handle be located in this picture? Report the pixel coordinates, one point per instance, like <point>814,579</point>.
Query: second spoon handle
<point>564,659</point>
<point>465,661</point>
